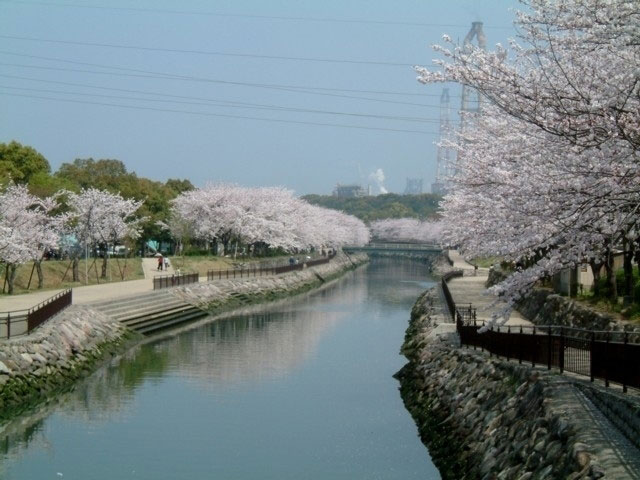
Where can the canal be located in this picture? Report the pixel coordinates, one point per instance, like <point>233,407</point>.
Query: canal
<point>301,389</point>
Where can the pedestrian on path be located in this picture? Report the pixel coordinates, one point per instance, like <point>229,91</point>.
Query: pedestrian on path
<point>160,260</point>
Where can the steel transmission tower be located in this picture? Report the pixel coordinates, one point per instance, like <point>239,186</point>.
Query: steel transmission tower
<point>444,164</point>
<point>447,161</point>
<point>471,99</point>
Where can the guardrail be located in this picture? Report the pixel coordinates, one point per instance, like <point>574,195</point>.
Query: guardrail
<point>168,281</point>
<point>35,316</point>
<point>608,355</point>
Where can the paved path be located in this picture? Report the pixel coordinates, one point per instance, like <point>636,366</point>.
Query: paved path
<point>612,450</point>
<point>150,268</point>
<point>471,289</point>
<point>81,295</point>
<point>90,293</point>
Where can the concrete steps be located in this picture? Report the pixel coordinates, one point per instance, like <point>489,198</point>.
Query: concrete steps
<point>149,312</point>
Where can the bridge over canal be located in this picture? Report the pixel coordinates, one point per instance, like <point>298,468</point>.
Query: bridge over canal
<point>419,248</point>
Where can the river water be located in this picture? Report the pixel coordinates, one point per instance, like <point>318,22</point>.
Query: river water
<point>300,389</point>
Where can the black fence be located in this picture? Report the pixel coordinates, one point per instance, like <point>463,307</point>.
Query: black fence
<point>612,356</point>
<point>447,294</point>
<point>608,355</point>
<point>28,320</point>
<point>168,281</point>
<point>240,273</point>
<point>259,271</point>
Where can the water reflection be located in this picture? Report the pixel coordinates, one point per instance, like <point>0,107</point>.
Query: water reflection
<point>314,372</point>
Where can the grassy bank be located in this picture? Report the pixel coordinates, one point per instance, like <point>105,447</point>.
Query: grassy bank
<point>57,273</point>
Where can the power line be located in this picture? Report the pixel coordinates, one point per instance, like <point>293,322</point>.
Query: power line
<point>205,52</point>
<point>254,16</point>
<point>207,114</point>
<point>216,103</point>
<point>297,87</point>
<point>163,76</point>
<point>186,97</point>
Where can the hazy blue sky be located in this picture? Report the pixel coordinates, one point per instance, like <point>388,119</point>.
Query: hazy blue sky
<point>159,139</point>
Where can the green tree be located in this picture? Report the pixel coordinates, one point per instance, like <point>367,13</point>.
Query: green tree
<point>19,163</point>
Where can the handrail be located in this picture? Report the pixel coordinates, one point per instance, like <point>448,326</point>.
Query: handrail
<point>174,280</point>
<point>265,270</point>
<point>592,353</point>
<point>38,314</point>
<point>447,293</point>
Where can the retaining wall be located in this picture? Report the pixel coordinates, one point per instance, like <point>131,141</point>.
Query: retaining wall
<point>485,418</point>
<point>219,296</point>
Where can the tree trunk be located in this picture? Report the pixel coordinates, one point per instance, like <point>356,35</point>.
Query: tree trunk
<point>103,274</point>
<point>596,268</point>
<point>611,277</point>
<point>40,274</point>
<point>628,268</point>
<point>11,278</point>
<point>75,263</point>
<point>637,254</point>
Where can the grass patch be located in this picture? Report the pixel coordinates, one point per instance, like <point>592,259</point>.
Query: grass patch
<point>486,262</point>
<point>54,273</point>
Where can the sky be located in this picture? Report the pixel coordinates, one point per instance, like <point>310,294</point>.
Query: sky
<point>259,93</point>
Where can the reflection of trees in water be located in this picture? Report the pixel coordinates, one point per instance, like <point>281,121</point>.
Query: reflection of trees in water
<point>264,342</point>
<point>17,436</point>
<point>98,399</point>
<point>407,276</point>
<point>260,344</point>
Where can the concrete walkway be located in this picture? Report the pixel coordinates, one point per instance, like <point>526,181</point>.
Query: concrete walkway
<point>471,289</point>
<point>91,293</point>
<point>150,268</point>
<point>81,295</point>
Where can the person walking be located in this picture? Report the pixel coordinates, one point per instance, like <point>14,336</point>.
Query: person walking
<point>160,260</point>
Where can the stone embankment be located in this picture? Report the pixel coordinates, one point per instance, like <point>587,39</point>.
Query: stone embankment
<point>487,418</point>
<point>219,296</point>
<point>544,307</point>
<point>73,343</point>
<point>66,348</point>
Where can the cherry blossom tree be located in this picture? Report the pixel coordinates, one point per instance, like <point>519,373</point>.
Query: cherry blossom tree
<point>549,172</point>
<point>102,219</point>
<point>269,216</point>
<point>27,229</point>
<point>407,230</point>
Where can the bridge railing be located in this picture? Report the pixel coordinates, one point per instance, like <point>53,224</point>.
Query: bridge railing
<point>395,246</point>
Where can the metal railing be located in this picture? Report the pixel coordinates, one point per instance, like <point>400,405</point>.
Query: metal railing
<point>447,294</point>
<point>240,273</point>
<point>168,281</point>
<point>604,354</point>
<point>25,321</point>
<point>259,271</point>
<point>608,355</point>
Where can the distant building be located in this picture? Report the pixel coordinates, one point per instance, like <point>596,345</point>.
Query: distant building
<point>349,191</point>
<point>414,186</point>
